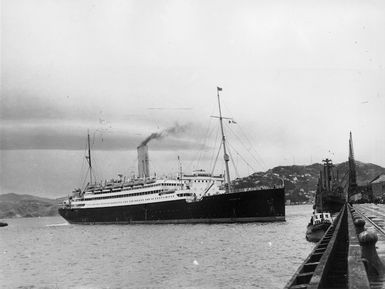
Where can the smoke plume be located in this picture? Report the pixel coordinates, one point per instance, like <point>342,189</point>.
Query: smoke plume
<point>173,131</point>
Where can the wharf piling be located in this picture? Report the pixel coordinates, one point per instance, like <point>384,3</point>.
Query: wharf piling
<point>346,256</point>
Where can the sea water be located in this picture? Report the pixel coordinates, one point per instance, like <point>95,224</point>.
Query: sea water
<point>50,253</point>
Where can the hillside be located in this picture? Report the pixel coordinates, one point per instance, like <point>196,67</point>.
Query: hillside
<point>301,181</point>
<point>14,205</point>
<point>365,171</point>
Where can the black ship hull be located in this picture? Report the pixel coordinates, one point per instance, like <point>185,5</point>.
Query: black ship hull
<point>246,206</point>
<point>333,204</point>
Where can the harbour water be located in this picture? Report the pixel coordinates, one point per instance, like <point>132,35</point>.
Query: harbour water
<point>49,253</point>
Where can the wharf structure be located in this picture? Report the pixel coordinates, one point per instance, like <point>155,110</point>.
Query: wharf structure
<point>351,254</point>
<point>378,188</point>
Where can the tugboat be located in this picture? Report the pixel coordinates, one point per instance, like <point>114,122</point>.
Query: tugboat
<point>200,197</point>
<point>317,226</point>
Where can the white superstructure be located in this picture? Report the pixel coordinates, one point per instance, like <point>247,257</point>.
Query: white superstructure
<point>134,192</point>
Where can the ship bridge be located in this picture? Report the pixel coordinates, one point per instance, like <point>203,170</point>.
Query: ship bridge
<point>202,175</point>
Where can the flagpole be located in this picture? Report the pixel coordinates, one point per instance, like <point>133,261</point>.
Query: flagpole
<point>225,155</point>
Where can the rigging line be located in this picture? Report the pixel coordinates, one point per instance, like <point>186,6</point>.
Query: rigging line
<point>93,171</point>
<point>247,149</point>
<point>204,156</point>
<point>232,160</point>
<point>83,158</point>
<point>244,136</point>
<point>237,136</point>
<point>259,162</point>
<point>203,150</point>
<point>207,151</point>
<point>242,158</point>
<point>205,139</point>
<point>94,168</point>
<point>214,131</point>
<point>216,159</point>
<point>215,144</point>
<point>252,147</point>
<point>81,171</point>
<point>211,146</point>
<point>84,180</point>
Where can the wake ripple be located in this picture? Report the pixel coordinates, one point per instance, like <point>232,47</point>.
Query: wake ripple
<point>57,225</point>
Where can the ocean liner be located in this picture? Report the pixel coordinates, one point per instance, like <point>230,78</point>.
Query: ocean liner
<point>200,197</point>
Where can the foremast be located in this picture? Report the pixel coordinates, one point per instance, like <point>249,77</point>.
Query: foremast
<point>88,157</point>
<point>225,155</point>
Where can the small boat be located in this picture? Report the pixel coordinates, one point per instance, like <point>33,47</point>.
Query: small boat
<point>3,224</point>
<point>317,226</point>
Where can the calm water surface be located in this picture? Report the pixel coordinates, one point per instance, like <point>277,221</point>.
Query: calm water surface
<point>49,253</point>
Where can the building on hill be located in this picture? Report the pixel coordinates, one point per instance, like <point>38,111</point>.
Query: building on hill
<point>378,188</point>
<point>355,198</point>
<point>366,192</point>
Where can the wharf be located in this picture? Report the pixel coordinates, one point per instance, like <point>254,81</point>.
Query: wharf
<point>351,254</point>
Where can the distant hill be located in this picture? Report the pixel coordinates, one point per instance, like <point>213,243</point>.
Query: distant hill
<point>14,205</point>
<point>301,181</point>
<point>300,184</point>
<point>366,172</point>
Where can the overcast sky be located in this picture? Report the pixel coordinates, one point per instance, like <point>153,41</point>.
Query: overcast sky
<point>297,76</point>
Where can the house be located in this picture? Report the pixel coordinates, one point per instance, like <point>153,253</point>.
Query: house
<point>378,187</point>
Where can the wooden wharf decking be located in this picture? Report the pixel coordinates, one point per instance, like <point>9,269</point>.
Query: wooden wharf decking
<point>348,255</point>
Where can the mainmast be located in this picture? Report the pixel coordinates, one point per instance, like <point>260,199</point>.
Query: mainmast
<point>225,155</point>
<point>328,173</point>
<point>89,156</point>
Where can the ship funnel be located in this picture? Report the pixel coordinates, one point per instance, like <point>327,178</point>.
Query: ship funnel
<point>143,161</point>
